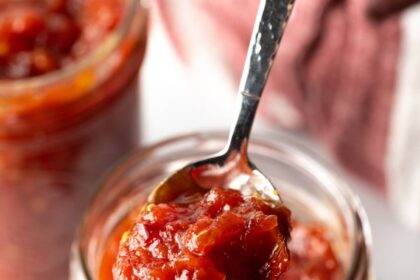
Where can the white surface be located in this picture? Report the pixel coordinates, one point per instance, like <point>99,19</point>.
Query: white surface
<point>404,144</point>
<point>172,105</point>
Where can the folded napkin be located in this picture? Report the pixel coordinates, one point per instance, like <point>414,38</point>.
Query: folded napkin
<point>347,71</point>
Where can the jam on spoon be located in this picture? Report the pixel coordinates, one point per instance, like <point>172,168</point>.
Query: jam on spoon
<point>222,235</point>
<point>219,218</point>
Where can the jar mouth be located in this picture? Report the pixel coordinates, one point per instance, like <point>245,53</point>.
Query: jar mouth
<point>356,219</point>
<point>13,88</point>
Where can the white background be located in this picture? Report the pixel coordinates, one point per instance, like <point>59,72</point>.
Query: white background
<point>172,104</point>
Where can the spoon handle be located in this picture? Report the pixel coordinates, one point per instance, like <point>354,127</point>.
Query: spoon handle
<point>268,30</point>
<point>269,27</point>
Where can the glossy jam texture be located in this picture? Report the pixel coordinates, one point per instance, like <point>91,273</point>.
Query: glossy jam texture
<point>221,236</point>
<point>40,36</point>
<point>311,252</point>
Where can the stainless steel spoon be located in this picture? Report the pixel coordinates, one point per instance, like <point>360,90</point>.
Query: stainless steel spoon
<point>231,168</point>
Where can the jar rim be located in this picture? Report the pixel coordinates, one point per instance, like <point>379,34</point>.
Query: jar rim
<point>14,88</point>
<point>360,245</point>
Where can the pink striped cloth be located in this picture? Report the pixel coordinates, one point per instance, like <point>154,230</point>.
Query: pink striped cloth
<point>348,71</point>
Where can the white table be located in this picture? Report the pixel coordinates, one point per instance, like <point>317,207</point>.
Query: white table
<point>172,105</point>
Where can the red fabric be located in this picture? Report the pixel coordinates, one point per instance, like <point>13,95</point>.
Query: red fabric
<point>337,65</point>
<point>381,8</point>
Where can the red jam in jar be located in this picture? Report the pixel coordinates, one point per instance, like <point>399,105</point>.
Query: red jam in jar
<point>312,255</point>
<point>41,36</point>
<point>68,112</point>
<point>221,236</point>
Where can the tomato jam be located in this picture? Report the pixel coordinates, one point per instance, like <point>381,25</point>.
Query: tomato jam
<point>223,236</point>
<point>61,131</point>
<point>312,255</point>
<point>41,36</point>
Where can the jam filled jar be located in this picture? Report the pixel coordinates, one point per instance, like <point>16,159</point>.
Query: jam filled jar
<point>330,238</point>
<point>68,112</point>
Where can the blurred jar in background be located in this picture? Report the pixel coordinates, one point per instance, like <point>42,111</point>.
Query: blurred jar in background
<point>68,111</point>
<point>346,71</point>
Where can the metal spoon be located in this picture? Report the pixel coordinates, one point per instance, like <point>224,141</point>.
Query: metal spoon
<point>231,168</point>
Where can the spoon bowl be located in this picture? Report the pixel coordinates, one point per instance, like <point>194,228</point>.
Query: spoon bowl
<point>233,171</point>
<point>231,168</point>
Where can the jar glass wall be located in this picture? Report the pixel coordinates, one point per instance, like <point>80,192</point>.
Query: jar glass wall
<point>315,195</point>
<point>58,133</point>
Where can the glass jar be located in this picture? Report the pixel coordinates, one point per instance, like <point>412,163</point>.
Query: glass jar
<point>58,133</point>
<point>314,193</point>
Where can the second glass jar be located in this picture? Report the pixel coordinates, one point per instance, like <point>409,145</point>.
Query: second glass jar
<point>58,133</point>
